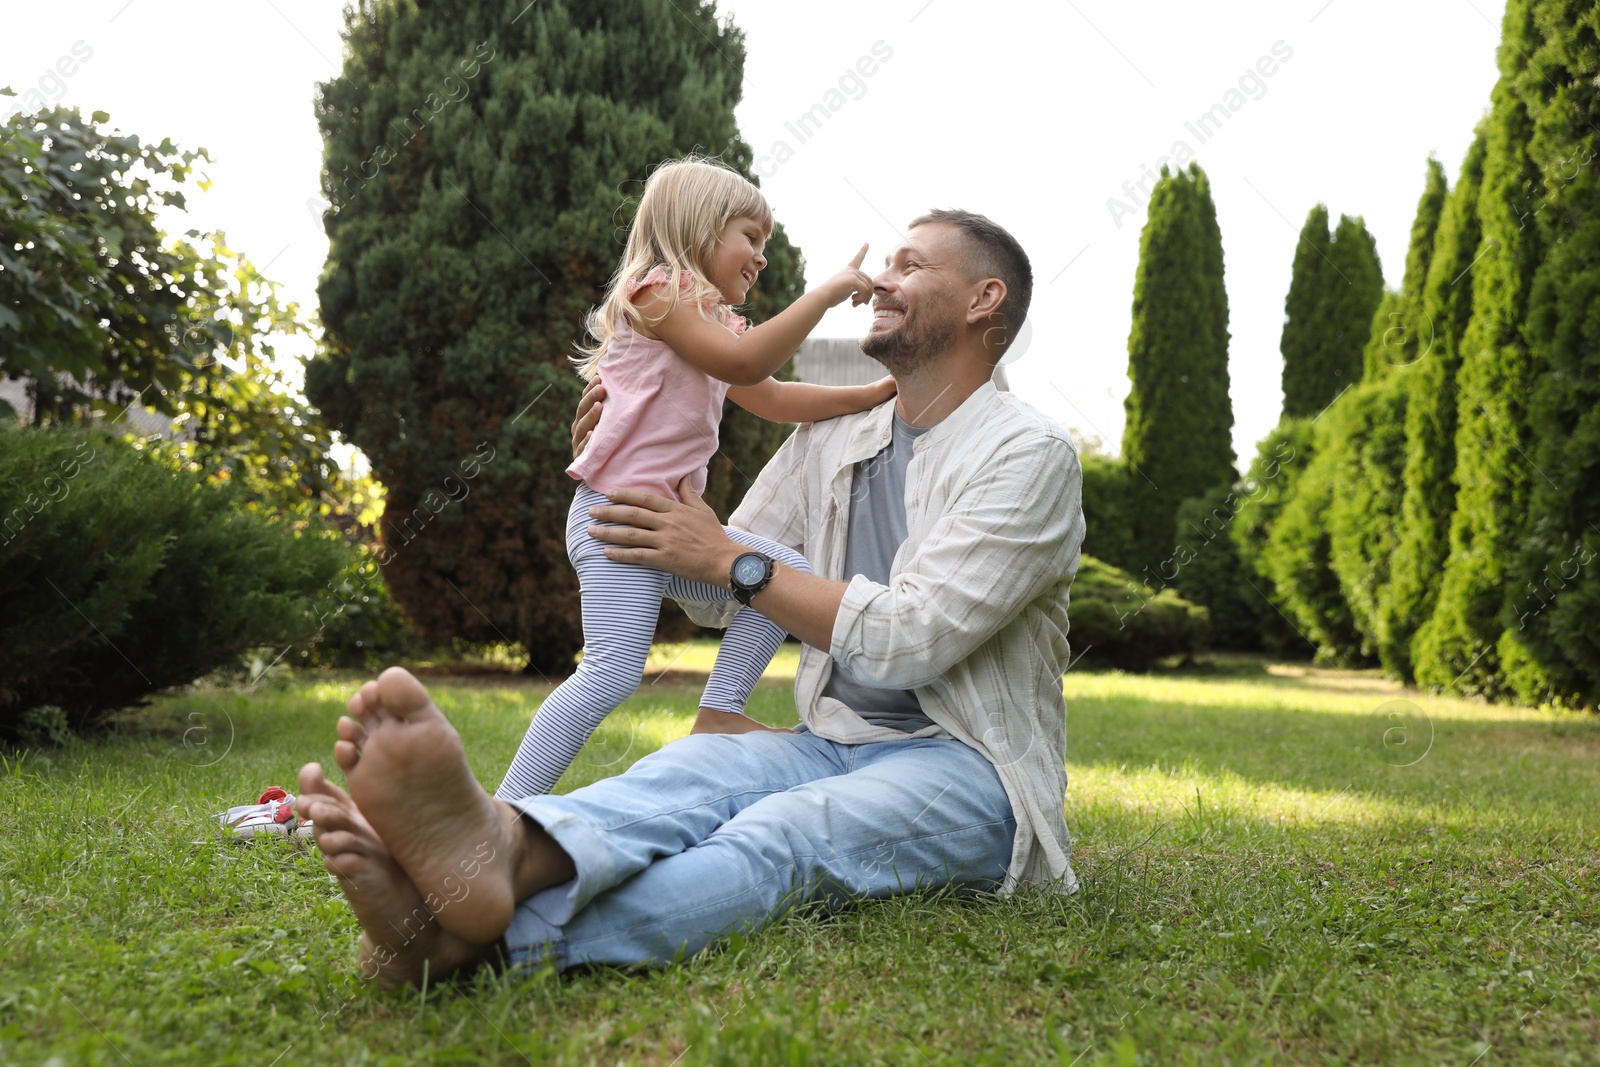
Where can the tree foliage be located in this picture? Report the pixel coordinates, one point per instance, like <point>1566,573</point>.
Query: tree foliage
<point>1105,509</point>
<point>1456,648</point>
<point>1334,289</point>
<point>1429,493</point>
<point>480,163</point>
<point>1178,435</point>
<point>1550,648</point>
<point>101,310</point>
<point>1366,465</point>
<point>1282,457</point>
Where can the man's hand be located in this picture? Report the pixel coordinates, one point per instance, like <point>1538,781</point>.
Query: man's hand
<point>588,416</point>
<point>686,540</point>
<point>730,722</point>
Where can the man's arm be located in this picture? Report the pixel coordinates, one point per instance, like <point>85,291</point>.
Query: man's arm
<point>687,540</point>
<point>1002,543</point>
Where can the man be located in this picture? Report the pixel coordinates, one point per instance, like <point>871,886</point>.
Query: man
<point>931,749</point>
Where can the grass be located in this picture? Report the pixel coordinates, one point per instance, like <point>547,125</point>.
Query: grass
<point>1280,865</point>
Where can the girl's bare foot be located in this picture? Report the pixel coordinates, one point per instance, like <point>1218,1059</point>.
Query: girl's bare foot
<point>401,940</point>
<point>409,776</point>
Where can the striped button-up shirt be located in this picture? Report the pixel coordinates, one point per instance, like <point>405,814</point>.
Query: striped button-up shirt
<point>974,617</point>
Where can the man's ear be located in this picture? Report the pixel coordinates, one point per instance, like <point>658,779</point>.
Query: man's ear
<point>987,296</point>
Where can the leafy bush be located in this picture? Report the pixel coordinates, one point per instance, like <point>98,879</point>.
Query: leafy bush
<point>123,573</point>
<point>1123,623</point>
<point>1105,509</point>
<point>1214,576</point>
<point>360,626</point>
<point>1368,463</point>
<point>1281,457</point>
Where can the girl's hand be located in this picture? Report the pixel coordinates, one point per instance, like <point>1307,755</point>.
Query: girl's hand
<point>881,390</point>
<point>851,282</point>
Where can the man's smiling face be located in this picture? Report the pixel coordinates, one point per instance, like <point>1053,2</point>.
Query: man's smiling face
<point>915,315</point>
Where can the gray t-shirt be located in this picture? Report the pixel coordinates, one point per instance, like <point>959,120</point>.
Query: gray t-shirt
<point>877,529</point>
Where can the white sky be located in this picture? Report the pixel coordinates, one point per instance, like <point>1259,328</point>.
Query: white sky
<point>1034,114</point>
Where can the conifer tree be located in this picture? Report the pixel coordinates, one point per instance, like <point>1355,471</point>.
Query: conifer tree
<point>1456,648</point>
<point>1429,494</point>
<point>483,162</point>
<point>1550,649</point>
<point>1282,458</point>
<point>1400,333</point>
<point>1367,484</point>
<point>1303,326</point>
<point>1334,290</point>
<point>1178,436</point>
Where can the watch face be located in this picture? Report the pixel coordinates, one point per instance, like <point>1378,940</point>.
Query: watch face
<point>749,569</point>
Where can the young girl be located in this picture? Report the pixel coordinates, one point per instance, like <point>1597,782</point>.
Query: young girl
<point>670,349</point>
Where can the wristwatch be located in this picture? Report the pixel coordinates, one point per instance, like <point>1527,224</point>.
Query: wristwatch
<point>750,574</point>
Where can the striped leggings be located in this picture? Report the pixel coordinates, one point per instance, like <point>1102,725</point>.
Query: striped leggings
<point>621,602</point>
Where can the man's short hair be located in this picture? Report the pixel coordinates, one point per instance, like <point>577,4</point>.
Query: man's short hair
<point>995,254</point>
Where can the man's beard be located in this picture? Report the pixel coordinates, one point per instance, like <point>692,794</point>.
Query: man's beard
<point>912,345</point>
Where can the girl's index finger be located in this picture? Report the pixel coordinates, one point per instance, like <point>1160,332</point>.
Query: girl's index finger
<point>860,257</point>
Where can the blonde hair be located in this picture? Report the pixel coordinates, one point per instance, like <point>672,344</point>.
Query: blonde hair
<point>687,203</point>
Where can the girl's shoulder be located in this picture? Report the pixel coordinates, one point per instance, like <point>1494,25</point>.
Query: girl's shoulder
<point>686,280</point>
<point>658,276</point>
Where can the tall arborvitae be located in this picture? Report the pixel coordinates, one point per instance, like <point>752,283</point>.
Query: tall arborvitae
<point>1178,436</point>
<point>1367,483</point>
<point>1334,290</point>
<point>1269,486</point>
<point>1353,295</point>
<point>483,160</point>
<point>1400,334</point>
<point>1304,328</point>
<point>1430,492</point>
<point>1551,647</point>
<point>1456,648</point>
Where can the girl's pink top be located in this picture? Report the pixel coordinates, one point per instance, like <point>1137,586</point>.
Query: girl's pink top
<point>660,416</point>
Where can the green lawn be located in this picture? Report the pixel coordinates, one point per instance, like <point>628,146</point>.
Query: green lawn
<point>1279,866</point>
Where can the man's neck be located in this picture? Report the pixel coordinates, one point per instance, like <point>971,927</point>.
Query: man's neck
<point>931,392</point>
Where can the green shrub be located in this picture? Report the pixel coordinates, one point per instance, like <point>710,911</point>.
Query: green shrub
<point>360,626</point>
<point>1105,509</point>
<point>1456,649</point>
<point>1299,554</point>
<point>1120,622</point>
<point>1214,576</point>
<point>1367,462</point>
<point>1429,495</point>
<point>1281,457</point>
<point>122,573</point>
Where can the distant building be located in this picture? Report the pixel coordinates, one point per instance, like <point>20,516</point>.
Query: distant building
<point>840,361</point>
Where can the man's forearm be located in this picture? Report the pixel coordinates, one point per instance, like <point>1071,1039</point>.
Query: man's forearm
<point>803,604</point>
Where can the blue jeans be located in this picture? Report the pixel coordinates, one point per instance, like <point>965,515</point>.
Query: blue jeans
<point>720,833</point>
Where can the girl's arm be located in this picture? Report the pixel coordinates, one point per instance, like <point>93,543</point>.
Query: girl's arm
<point>752,357</point>
<point>778,401</point>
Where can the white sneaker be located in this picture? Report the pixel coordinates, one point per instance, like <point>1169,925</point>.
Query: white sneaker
<point>272,815</point>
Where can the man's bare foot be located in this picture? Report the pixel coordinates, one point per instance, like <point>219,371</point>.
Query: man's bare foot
<point>730,722</point>
<point>408,773</point>
<point>401,941</point>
